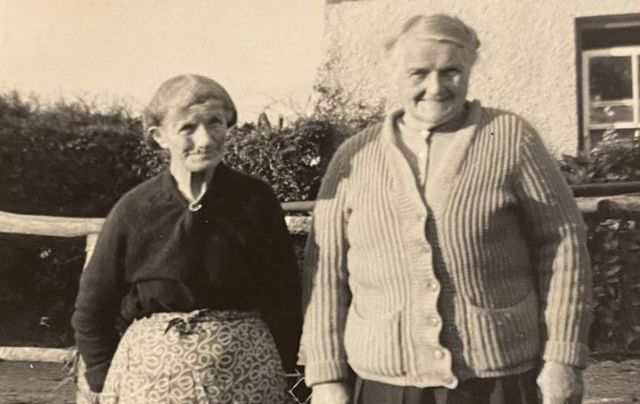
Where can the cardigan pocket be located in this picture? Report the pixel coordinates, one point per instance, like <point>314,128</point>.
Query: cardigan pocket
<point>503,338</point>
<point>373,344</point>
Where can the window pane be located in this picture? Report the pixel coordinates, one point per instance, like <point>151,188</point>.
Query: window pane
<point>608,114</point>
<point>598,135</point>
<point>610,78</point>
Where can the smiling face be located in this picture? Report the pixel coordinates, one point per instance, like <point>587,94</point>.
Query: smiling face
<point>431,79</point>
<point>194,136</point>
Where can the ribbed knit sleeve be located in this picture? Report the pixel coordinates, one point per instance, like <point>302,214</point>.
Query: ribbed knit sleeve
<point>558,242</point>
<point>326,295</point>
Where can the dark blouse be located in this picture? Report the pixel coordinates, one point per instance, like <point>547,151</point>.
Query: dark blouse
<point>155,255</point>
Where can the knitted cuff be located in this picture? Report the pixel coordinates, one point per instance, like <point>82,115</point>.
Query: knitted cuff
<point>88,397</point>
<point>326,372</point>
<point>569,353</point>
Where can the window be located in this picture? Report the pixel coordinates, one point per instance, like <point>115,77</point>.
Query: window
<point>608,78</point>
<point>611,87</point>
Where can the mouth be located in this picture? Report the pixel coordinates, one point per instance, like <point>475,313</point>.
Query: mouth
<point>202,156</point>
<point>205,152</point>
<point>437,98</point>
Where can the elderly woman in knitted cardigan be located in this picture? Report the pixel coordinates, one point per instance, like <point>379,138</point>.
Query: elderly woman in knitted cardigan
<point>447,260</point>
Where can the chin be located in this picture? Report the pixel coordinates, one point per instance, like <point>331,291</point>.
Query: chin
<point>438,116</point>
<point>430,118</point>
<point>197,168</point>
<point>199,165</point>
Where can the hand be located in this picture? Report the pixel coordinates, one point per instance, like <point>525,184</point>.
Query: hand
<point>87,397</point>
<point>560,384</point>
<point>331,393</point>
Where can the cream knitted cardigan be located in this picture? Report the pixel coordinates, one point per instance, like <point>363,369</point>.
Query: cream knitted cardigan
<point>487,277</point>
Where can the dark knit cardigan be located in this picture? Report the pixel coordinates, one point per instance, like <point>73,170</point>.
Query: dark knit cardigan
<point>155,255</point>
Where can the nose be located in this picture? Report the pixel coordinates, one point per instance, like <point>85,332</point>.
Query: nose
<point>202,137</point>
<point>433,83</point>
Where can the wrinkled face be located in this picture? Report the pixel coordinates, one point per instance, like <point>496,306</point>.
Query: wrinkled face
<point>431,79</point>
<point>194,136</point>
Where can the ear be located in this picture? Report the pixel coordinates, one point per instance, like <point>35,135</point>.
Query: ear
<point>155,133</point>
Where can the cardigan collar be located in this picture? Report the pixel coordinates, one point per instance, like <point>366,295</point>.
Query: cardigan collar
<point>442,182</point>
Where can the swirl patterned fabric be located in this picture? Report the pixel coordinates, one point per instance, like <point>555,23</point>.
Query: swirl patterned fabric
<point>200,357</point>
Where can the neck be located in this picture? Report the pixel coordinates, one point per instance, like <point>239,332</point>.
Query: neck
<point>449,125</point>
<point>415,124</point>
<point>191,184</point>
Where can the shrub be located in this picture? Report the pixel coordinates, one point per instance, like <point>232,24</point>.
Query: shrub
<point>613,160</point>
<point>69,159</point>
<point>65,159</point>
<point>615,252</point>
<point>288,158</point>
<point>73,159</point>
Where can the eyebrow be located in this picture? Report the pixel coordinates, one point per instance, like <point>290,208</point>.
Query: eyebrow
<point>185,122</point>
<point>456,66</point>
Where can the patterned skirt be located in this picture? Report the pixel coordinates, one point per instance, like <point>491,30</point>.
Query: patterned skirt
<point>199,357</point>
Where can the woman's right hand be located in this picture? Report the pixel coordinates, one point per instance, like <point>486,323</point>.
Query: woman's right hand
<point>331,393</point>
<point>87,397</point>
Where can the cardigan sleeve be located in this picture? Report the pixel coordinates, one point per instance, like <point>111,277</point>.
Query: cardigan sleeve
<point>97,303</point>
<point>326,294</point>
<point>558,241</point>
<point>282,310</point>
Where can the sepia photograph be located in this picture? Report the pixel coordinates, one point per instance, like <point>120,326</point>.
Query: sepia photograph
<point>319,201</point>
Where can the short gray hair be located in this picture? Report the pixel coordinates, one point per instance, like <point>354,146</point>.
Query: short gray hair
<point>183,91</point>
<point>442,28</point>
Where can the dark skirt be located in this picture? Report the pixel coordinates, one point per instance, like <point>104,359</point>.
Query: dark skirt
<point>516,389</point>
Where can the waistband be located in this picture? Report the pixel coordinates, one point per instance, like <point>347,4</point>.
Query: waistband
<point>185,322</point>
<point>202,315</point>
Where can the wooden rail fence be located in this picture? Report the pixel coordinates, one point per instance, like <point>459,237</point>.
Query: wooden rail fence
<point>90,228</point>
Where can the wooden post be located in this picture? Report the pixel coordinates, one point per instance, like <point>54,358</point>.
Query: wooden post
<point>91,244</point>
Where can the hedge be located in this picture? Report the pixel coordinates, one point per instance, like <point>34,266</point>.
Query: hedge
<point>73,159</point>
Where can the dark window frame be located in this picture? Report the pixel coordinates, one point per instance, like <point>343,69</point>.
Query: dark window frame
<point>582,26</point>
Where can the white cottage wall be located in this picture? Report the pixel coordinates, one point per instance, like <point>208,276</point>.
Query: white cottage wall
<point>527,60</point>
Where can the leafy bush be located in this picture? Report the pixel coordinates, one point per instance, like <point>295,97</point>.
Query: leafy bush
<point>66,159</point>
<point>69,159</point>
<point>614,244</point>
<point>73,159</point>
<point>288,158</point>
<point>615,252</point>
<point>346,117</point>
<point>613,160</point>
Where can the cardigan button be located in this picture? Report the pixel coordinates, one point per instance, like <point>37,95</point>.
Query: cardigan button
<point>438,354</point>
<point>432,286</point>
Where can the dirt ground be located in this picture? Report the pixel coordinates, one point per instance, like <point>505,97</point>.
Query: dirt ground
<point>39,383</point>
<point>22,382</point>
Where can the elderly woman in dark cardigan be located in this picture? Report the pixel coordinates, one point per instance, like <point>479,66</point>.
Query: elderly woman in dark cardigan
<point>197,265</point>
<point>447,260</point>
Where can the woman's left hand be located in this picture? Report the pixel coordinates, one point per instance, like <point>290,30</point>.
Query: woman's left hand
<point>560,384</point>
